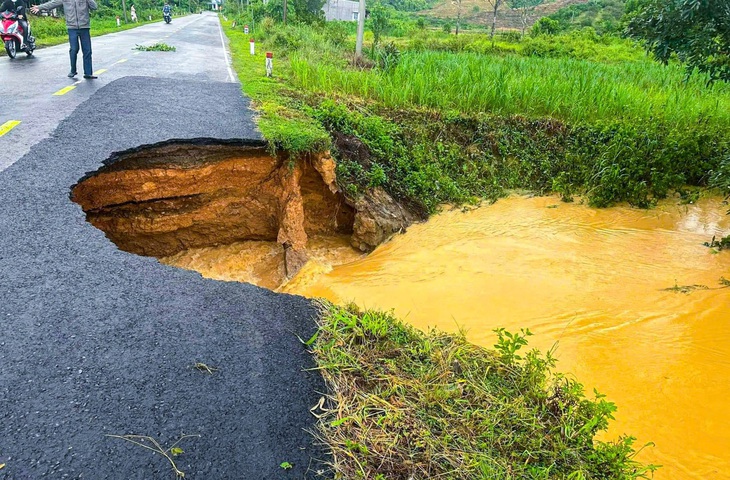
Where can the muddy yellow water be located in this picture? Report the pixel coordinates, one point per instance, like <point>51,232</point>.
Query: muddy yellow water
<point>595,281</point>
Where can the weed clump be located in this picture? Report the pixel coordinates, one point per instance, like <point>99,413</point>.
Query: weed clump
<point>405,404</point>
<point>157,47</point>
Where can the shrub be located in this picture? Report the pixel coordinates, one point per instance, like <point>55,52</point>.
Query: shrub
<point>337,32</point>
<point>545,26</point>
<point>512,36</point>
<point>388,56</point>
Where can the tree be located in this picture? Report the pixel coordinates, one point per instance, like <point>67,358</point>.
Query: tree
<point>379,20</point>
<point>525,8</point>
<point>494,4</point>
<point>545,26</point>
<point>309,11</point>
<point>697,31</point>
<point>458,15</point>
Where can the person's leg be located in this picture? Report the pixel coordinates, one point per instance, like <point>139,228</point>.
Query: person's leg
<point>24,26</point>
<point>73,40</point>
<point>85,37</point>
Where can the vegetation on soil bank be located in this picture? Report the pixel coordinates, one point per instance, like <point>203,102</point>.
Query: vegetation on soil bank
<point>446,119</point>
<point>406,404</point>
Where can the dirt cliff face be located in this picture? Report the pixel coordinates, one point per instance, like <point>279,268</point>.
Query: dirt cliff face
<point>163,200</point>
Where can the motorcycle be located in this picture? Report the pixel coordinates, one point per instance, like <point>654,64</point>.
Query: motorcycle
<point>11,33</point>
<point>167,17</point>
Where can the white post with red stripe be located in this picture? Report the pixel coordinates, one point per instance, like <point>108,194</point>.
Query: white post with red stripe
<point>269,64</point>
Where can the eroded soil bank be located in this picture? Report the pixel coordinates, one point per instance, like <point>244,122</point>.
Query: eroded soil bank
<point>167,199</point>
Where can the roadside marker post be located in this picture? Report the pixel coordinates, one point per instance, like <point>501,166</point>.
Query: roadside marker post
<point>245,29</point>
<point>269,64</point>
<point>119,23</point>
<point>252,46</point>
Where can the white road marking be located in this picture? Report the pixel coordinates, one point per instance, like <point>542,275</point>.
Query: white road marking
<point>225,52</point>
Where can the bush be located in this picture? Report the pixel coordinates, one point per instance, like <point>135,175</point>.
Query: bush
<point>511,36</point>
<point>545,26</point>
<point>337,32</point>
<point>388,56</point>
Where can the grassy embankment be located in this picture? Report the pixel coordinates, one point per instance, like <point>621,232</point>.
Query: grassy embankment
<point>407,404</point>
<point>452,125</point>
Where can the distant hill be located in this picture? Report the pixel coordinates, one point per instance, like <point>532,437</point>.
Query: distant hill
<point>605,16</point>
<point>477,11</point>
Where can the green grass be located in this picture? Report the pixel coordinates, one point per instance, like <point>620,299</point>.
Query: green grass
<point>281,121</point>
<point>444,127</point>
<point>157,47</point>
<point>582,45</point>
<point>570,90</point>
<point>406,404</point>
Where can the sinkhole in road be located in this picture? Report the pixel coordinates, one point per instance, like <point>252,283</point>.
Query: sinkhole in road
<point>181,201</point>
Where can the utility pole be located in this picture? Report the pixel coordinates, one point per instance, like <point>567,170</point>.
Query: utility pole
<point>284,12</point>
<point>124,9</point>
<point>360,29</point>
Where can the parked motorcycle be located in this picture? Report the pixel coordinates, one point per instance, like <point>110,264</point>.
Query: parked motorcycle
<point>11,33</point>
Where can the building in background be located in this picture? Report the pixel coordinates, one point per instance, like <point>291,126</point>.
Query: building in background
<point>346,10</point>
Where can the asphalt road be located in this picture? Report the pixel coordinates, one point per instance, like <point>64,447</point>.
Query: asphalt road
<point>95,341</point>
<point>36,91</point>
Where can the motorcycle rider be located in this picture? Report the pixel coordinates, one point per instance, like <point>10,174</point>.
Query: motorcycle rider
<point>18,7</point>
<point>167,10</point>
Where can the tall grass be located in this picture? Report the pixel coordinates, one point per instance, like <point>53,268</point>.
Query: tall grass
<point>572,90</point>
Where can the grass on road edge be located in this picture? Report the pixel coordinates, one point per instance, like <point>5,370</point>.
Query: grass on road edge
<point>282,119</point>
<point>405,404</point>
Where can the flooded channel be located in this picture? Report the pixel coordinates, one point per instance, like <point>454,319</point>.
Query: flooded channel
<point>600,283</point>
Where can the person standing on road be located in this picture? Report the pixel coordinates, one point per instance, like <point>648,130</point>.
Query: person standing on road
<point>78,25</point>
